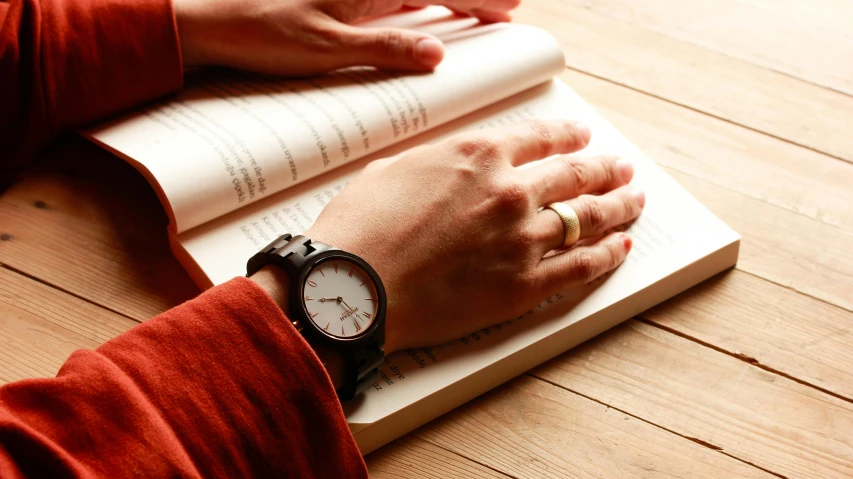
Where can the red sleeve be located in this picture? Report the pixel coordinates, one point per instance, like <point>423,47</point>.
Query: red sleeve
<point>65,63</point>
<point>221,386</point>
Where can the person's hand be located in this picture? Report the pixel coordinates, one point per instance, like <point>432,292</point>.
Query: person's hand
<point>302,37</point>
<point>457,234</point>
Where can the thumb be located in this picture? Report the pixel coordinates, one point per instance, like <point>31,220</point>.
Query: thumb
<point>391,48</point>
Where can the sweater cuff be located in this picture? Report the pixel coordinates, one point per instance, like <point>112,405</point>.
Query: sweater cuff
<point>104,56</point>
<point>229,365</point>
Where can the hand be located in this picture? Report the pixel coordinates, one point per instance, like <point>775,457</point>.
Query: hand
<point>302,37</point>
<point>457,234</point>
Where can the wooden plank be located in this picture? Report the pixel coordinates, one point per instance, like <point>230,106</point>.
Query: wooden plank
<point>88,223</point>
<point>693,76</point>
<point>785,248</point>
<point>791,205</point>
<point>531,429</point>
<point>41,326</point>
<point>810,40</point>
<point>744,411</point>
<point>794,178</point>
<point>412,457</point>
<point>766,324</point>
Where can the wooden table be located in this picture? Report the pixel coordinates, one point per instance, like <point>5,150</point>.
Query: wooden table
<point>748,103</point>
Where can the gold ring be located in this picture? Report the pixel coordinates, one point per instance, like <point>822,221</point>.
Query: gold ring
<point>571,223</point>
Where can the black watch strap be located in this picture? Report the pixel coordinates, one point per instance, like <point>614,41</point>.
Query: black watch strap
<point>361,365</point>
<point>286,251</point>
<point>361,369</point>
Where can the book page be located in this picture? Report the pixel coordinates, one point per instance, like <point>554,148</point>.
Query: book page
<point>673,232</point>
<point>230,139</point>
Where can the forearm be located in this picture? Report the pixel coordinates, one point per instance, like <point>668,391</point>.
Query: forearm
<point>67,63</point>
<point>217,387</point>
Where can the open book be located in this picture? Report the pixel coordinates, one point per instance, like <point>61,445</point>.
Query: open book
<point>238,160</point>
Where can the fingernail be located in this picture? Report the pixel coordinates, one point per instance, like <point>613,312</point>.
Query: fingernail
<point>429,52</point>
<point>584,134</point>
<point>626,169</point>
<point>640,196</point>
<point>627,242</point>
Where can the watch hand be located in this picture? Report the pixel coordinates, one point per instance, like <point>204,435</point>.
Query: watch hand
<point>341,299</point>
<point>356,314</point>
<point>323,300</point>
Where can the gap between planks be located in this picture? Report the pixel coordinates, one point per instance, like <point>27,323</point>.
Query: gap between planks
<point>408,456</point>
<point>700,442</point>
<point>740,29</point>
<point>706,113</point>
<point>742,357</point>
<point>765,278</point>
<point>465,456</point>
<point>63,290</point>
<point>710,81</point>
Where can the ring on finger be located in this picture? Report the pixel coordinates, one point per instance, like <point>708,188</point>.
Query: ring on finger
<point>571,223</point>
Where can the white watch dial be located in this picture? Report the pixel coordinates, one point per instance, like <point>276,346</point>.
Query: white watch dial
<point>340,298</point>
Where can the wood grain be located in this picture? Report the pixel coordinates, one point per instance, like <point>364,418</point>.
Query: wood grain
<point>719,152</point>
<point>742,410</point>
<point>88,223</point>
<point>413,456</point>
<point>788,249</point>
<point>530,429</point>
<point>805,39</point>
<point>766,324</point>
<point>794,212</point>
<point>687,74</point>
<point>41,326</point>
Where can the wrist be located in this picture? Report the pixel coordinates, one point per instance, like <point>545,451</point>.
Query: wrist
<point>190,26</point>
<point>275,282</point>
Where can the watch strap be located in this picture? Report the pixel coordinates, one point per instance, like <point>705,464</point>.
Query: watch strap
<point>361,365</point>
<point>361,369</point>
<point>287,251</point>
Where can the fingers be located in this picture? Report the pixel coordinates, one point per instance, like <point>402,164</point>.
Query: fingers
<point>582,264</point>
<point>390,48</point>
<point>485,10</point>
<point>393,48</point>
<point>523,142</point>
<point>596,214</point>
<point>567,177</point>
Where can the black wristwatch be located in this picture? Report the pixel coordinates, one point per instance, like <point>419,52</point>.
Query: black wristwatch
<point>336,300</point>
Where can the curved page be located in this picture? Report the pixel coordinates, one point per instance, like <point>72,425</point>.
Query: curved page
<point>229,140</point>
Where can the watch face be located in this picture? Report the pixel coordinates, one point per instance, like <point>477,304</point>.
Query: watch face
<point>340,298</point>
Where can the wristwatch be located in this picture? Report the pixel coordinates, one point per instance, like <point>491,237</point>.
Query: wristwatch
<point>336,301</point>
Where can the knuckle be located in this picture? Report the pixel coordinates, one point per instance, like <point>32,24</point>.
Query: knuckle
<point>479,147</point>
<point>629,206</point>
<point>323,37</point>
<point>593,215</point>
<point>578,172</point>
<point>541,136</point>
<point>511,196</point>
<point>391,43</point>
<point>526,239</point>
<point>610,173</point>
<point>616,253</point>
<point>583,266</point>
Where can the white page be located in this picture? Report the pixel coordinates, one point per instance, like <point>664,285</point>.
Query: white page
<point>229,140</point>
<point>674,231</point>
